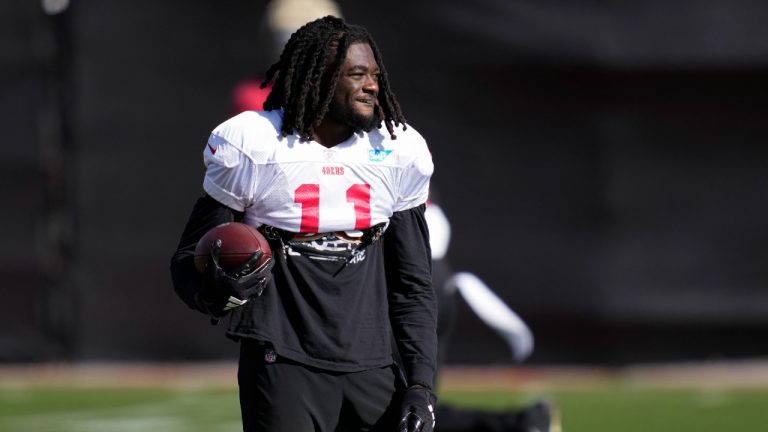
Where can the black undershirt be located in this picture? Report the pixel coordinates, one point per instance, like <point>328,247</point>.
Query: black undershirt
<point>335,320</point>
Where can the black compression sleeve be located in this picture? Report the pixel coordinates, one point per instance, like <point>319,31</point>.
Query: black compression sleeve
<point>412,304</point>
<point>206,214</point>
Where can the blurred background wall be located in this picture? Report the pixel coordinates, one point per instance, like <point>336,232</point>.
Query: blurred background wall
<point>603,165</point>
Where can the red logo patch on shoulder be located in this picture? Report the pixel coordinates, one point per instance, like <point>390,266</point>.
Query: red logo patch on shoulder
<point>212,149</point>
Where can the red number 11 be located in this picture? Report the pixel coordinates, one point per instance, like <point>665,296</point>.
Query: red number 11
<point>308,195</point>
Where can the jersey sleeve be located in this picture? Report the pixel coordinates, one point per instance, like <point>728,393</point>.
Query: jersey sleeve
<point>412,301</point>
<point>206,214</point>
<point>414,183</point>
<point>229,172</point>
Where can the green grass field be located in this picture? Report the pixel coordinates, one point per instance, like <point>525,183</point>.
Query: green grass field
<point>608,405</point>
<point>614,409</point>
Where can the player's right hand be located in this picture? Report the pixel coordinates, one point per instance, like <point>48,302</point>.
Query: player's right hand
<point>222,291</point>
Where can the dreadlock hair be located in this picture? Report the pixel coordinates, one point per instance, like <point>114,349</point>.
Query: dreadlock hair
<point>306,75</point>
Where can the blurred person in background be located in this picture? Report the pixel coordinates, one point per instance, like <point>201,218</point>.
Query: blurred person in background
<point>540,416</point>
<point>281,19</point>
<point>332,175</point>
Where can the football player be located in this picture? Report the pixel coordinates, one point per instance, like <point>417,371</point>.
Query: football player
<point>540,416</point>
<point>337,181</point>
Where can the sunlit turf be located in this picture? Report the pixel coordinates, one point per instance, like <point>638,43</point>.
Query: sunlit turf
<point>118,410</point>
<point>593,409</point>
<point>616,408</point>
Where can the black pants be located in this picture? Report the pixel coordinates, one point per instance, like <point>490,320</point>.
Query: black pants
<point>279,395</point>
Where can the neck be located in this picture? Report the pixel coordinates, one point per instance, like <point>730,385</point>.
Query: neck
<point>331,132</point>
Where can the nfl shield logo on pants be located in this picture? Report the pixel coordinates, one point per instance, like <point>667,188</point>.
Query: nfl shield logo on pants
<point>270,356</point>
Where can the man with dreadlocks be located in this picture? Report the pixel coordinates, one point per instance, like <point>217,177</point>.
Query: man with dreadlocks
<point>342,203</point>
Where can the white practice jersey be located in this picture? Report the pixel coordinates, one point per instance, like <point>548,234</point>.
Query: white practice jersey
<point>305,187</point>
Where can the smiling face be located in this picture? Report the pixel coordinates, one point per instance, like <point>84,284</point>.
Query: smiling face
<point>356,97</point>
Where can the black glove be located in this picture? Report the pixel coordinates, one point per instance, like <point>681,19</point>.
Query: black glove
<point>222,291</point>
<point>417,412</point>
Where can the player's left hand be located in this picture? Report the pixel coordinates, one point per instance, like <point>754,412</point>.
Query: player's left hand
<point>417,411</point>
